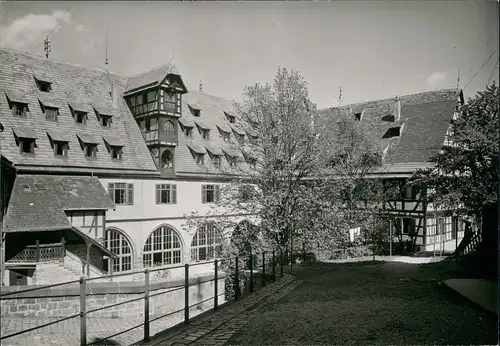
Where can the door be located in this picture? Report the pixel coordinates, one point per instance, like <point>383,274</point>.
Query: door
<point>18,277</point>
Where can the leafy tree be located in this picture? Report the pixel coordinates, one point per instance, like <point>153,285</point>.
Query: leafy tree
<point>269,187</point>
<point>465,178</point>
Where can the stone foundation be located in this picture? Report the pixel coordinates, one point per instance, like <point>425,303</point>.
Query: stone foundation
<point>64,301</point>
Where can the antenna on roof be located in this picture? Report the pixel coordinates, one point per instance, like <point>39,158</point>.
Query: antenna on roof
<point>47,47</point>
<point>340,97</point>
<point>200,87</point>
<point>106,62</point>
<point>458,78</point>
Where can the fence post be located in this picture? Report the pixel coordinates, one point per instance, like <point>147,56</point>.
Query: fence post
<point>251,273</point>
<point>281,262</point>
<point>186,293</point>
<point>216,283</point>
<point>236,279</point>
<point>83,313</point>
<point>274,267</point>
<point>38,250</point>
<point>146,305</point>
<point>263,269</point>
<point>63,252</point>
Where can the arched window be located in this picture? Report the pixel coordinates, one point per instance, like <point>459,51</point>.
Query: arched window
<point>168,129</point>
<point>162,247</point>
<point>207,243</point>
<point>167,159</point>
<point>117,243</point>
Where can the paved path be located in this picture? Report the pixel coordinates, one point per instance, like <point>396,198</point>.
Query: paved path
<point>215,328</point>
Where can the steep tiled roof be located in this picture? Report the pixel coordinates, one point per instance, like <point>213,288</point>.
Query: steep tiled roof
<point>151,78</point>
<point>80,87</point>
<point>211,116</point>
<point>38,202</point>
<point>425,118</point>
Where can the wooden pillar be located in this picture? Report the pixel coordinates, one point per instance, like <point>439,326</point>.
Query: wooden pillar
<point>89,245</point>
<point>63,249</point>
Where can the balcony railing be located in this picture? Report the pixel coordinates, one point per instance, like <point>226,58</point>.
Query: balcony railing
<point>39,253</point>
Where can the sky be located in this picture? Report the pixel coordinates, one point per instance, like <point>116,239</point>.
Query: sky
<point>373,49</point>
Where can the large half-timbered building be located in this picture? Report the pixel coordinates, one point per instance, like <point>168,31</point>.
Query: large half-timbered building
<point>410,130</point>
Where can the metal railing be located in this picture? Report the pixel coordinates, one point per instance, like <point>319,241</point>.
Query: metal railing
<point>232,263</point>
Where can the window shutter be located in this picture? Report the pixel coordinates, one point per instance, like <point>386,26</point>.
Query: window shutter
<point>111,191</point>
<point>217,193</point>
<point>158,200</point>
<point>130,193</point>
<point>203,194</point>
<point>173,190</point>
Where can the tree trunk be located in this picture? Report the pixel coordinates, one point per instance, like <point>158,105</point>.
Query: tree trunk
<point>487,252</point>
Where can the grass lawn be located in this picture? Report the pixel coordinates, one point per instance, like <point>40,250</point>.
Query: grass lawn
<point>384,303</point>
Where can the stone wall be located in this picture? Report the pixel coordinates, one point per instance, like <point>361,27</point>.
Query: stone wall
<point>64,301</point>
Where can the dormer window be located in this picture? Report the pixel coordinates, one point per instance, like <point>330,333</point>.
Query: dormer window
<point>198,153</point>
<point>188,131</point>
<point>59,143</point>
<point>43,83</point>
<point>224,133</point>
<point>17,104</point>
<point>230,117</point>
<point>204,129</point>
<point>252,138</point>
<point>392,132</point>
<point>115,147</point>
<point>240,135</point>
<point>357,116</point>
<point>88,145</point>
<point>195,110</point>
<point>215,154</point>
<point>25,139</point>
<point>104,119</point>
<point>51,113</point>
<point>389,118</point>
<point>19,109</point>
<point>79,111</point>
<point>186,126</point>
<point>231,157</point>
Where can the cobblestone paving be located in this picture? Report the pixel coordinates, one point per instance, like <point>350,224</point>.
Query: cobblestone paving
<point>214,329</point>
<point>68,332</point>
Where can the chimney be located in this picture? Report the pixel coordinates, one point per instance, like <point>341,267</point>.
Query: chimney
<point>397,109</point>
<point>114,94</point>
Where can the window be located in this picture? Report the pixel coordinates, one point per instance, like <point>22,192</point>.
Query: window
<point>27,145</point>
<point>44,86</point>
<point>230,117</point>
<point>188,131</point>
<point>231,160</point>
<point>408,225</point>
<point>200,158</point>
<point>217,160</point>
<point>169,129</point>
<point>166,194</point>
<point>19,109</point>
<point>60,148</point>
<point>252,139</point>
<point>196,112</point>
<point>205,134</point>
<point>210,193</point>
<point>90,150</point>
<point>225,136</point>
<point>167,159</point>
<point>118,244</point>
<point>80,117</point>
<point>357,116</point>
<point>116,152</point>
<point>163,247</point>
<point>170,101</point>
<point>105,120</point>
<point>392,132</point>
<point>240,138</point>
<point>121,193</point>
<point>51,113</point>
<point>206,244</point>
<point>252,163</point>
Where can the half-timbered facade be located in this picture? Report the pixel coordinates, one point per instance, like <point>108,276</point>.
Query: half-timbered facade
<point>410,130</point>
